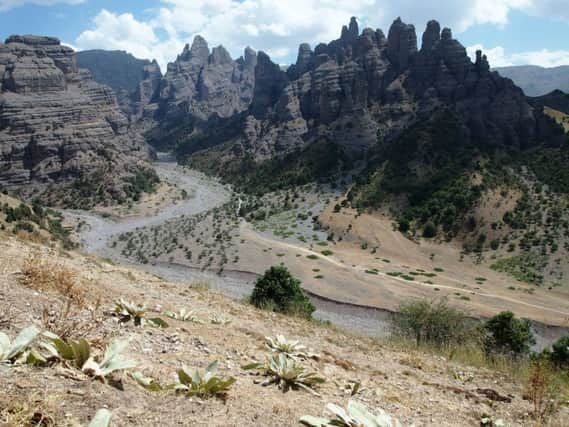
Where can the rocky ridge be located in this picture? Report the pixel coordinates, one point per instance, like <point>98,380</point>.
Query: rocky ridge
<point>59,129</point>
<point>134,81</point>
<point>365,84</point>
<point>200,84</point>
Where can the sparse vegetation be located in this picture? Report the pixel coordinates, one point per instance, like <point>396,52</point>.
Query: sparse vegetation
<point>204,384</point>
<point>506,334</point>
<point>356,414</point>
<point>286,373</point>
<point>433,322</point>
<point>279,291</point>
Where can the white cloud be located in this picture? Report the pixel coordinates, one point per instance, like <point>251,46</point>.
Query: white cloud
<point>124,32</point>
<point>499,58</point>
<point>12,4</point>
<point>278,26</point>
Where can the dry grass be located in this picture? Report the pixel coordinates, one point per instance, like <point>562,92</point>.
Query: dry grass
<point>543,391</point>
<point>31,409</point>
<point>44,275</point>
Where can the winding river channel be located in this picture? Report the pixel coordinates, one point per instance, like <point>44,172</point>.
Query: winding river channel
<point>205,194</point>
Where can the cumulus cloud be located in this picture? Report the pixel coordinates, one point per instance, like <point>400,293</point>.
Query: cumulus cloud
<point>12,4</point>
<point>498,57</point>
<point>277,26</point>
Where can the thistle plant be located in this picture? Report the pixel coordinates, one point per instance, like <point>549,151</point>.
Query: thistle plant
<point>128,311</point>
<point>203,384</point>
<point>286,373</point>
<point>184,316</point>
<point>78,354</point>
<point>291,349</point>
<point>355,415</point>
<point>19,349</point>
<point>220,320</point>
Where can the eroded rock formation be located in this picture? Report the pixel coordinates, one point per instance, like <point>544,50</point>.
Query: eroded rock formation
<point>364,84</point>
<point>58,126</point>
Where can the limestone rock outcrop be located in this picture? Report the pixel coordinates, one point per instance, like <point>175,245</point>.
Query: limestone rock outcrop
<point>363,85</point>
<point>134,81</point>
<point>200,84</point>
<point>57,125</point>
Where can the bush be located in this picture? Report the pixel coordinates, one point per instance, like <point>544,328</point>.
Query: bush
<point>279,291</point>
<point>404,226</point>
<point>430,230</point>
<point>506,334</point>
<point>432,322</point>
<point>560,352</point>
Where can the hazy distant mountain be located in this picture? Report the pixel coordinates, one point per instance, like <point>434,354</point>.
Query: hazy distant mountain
<point>537,81</point>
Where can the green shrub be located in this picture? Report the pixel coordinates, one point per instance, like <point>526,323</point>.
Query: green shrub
<point>505,334</point>
<point>432,322</point>
<point>430,230</point>
<point>279,291</point>
<point>560,352</point>
<point>404,226</point>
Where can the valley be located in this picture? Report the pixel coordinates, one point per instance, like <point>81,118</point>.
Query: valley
<point>356,267</point>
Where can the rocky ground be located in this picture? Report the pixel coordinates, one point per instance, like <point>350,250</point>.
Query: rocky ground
<point>417,388</point>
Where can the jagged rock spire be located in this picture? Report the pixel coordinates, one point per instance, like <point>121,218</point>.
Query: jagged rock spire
<point>431,36</point>
<point>401,43</point>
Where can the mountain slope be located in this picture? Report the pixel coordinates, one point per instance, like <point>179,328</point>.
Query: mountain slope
<point>537,81</point>
<point>387,372</point>
<point>432,139</point>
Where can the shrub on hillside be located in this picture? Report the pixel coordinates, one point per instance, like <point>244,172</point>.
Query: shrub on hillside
<point>430,230</point>
<point>279,291</point>
<point>433,322</point>
<point>560,352</point>
<point>506,334</point>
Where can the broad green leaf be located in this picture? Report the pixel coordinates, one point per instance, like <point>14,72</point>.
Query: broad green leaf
<point>116,347</point>
<point>101,419</point>
<point>158,322</point>
<point>146,382</point>
<point>81,352</point>
<point>23,341</point>
<point>315,421</point>
<point>184,377</point>
<point>4,345</point>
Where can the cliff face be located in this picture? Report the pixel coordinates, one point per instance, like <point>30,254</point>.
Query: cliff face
<point>134,81</point>
<point>362,84</point>
<point>58,126</point>
<point>198,85</point>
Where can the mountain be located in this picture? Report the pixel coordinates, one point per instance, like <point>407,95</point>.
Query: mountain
<point>348,92</point>
<point>199,86</point>
<point>442,145</point>
<point>134,81</point>
<point>63,138</point>
<point>537,81</point>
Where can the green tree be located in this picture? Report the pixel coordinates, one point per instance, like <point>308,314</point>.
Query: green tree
<point>433,322</point>
<point>507,334</point>
<point>279,291</point>
<point>430,230</point>
<point>404,226</point>
<point>560,352</point>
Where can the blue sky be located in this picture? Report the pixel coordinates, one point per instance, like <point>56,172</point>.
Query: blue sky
<point>511,32</point>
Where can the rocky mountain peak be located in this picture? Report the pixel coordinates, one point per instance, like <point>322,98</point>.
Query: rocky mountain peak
<point>431,36</point>
<point>199,49</point>
<point>250,58</point>
<point>219,56</point>
<point>401,43</point>
<point>350,33</point>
